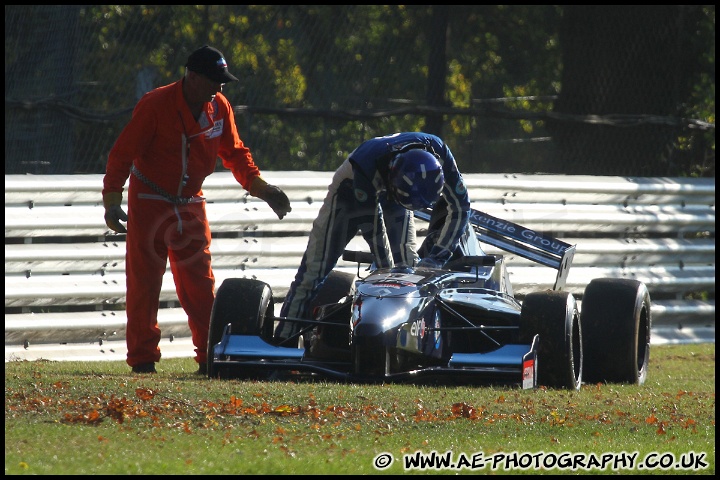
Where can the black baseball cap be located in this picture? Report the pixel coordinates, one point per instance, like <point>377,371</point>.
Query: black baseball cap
<point>210,62</point>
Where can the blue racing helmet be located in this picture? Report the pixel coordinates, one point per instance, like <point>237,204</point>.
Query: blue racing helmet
<point>416,179</point>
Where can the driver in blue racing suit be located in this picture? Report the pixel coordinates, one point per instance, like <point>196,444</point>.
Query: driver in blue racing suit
<point>375,191</point>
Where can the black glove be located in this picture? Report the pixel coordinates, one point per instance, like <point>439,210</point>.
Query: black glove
<point>273,196</point>
<point>435,258</point>
<point>430,262</point>
<point>114,212</point>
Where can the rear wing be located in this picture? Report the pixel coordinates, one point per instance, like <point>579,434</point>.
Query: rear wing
<point>522,241</point>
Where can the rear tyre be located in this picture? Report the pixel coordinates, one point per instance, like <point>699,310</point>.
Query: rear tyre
<point>616,324</point>
<point>336,286</point>
<point>554,316</point>
<point>325,340</point>
<point>247,305</point>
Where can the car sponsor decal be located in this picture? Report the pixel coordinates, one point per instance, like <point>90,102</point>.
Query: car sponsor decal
<point>394,279</point>
<point>388,285</point>
<point>518,232</point>
<point>528,373</point>
<point>437,331</point>
<point>417,328</point>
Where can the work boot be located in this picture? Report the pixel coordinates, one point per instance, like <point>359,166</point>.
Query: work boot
<point>144,368</point>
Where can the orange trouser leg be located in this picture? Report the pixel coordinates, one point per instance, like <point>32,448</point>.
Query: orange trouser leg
<point>192,272</point>
<point>146,260</point>
<point>159,230</point>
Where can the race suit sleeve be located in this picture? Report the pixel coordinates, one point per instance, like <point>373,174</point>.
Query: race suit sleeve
<point>455,192</point>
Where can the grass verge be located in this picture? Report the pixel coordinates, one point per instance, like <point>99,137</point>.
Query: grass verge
<point>98,418</point>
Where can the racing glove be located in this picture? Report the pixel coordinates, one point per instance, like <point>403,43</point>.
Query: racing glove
<point>430,262</point>
<point>114,212</point>
<point>436,258</point>
<point>273,196</point>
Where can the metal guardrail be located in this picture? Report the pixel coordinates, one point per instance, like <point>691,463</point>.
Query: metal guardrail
<point>59,254</point>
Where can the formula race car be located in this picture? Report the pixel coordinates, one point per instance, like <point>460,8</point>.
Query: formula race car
<point>460,323</point>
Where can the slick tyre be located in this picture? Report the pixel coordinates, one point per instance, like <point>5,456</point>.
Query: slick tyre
<point>616,322</point>
<point>247,305</point>
<point>555,318</point>
<point>336,286</point>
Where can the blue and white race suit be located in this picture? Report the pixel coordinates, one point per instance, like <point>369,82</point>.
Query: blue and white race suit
<point>358,200</point>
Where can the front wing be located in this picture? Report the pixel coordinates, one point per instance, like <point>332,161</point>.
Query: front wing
<point>512,363</point>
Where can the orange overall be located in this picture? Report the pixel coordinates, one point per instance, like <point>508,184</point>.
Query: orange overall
<point>168,153</point>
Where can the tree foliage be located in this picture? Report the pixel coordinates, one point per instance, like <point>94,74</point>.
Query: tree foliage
<point>316,80</point>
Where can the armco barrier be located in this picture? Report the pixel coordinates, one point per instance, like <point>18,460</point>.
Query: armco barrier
<point>64,272</point>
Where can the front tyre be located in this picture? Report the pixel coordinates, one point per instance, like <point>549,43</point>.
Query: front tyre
<point>247,305</point>
<point>554,317</point>
<point>616,323</point>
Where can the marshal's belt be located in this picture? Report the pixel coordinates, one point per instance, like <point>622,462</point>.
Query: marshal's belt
<point>170,198</point>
